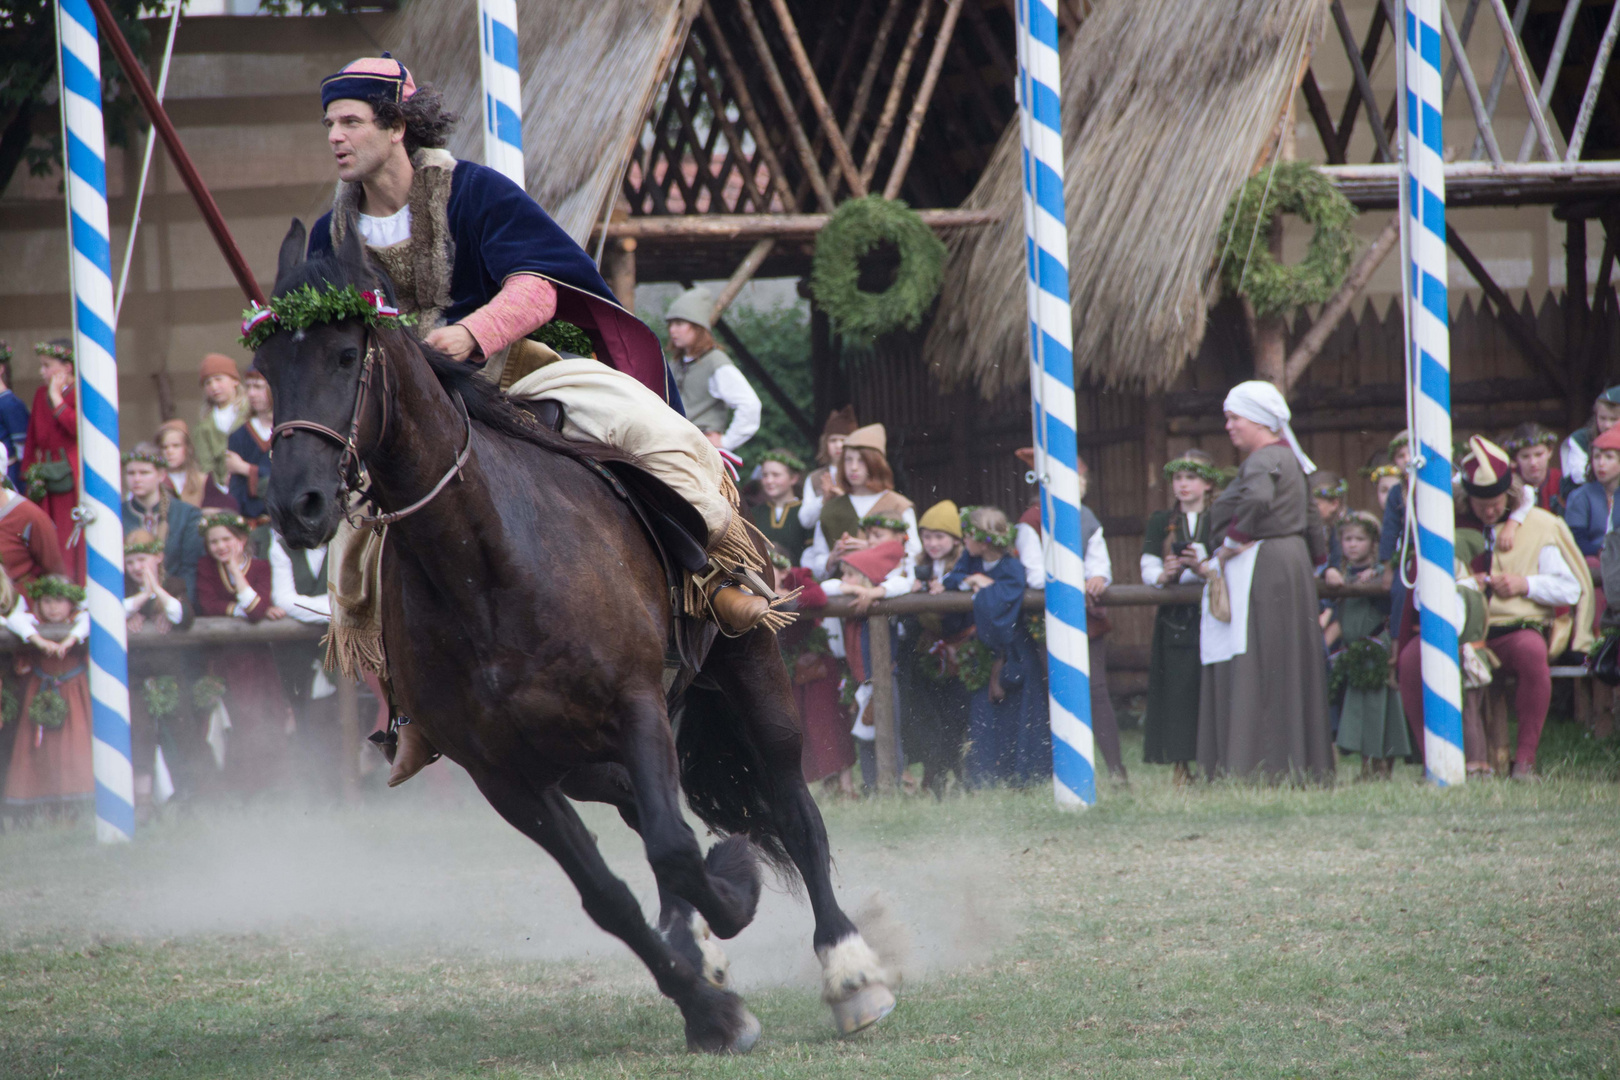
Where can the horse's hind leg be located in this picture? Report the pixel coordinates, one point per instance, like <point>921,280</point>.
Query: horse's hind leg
<point>754,683</point>
<point>683,928</point>
<point>716,1020</point>
<point>725,886</point>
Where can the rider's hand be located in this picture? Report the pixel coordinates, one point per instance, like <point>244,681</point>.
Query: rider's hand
<point>455,341</point>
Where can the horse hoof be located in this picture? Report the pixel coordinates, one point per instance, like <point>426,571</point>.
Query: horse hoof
<point>863,1008</point>
<point>747,1037</point>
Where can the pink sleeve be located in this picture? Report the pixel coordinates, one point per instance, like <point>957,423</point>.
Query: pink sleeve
<point>524,304</point>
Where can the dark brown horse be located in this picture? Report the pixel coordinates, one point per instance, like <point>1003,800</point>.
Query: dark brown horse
<point>525,616</point>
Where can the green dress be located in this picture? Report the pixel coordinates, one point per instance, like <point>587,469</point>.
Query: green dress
<point>1372,722</point>
<point>1170,728</point>
<point>781,527</point>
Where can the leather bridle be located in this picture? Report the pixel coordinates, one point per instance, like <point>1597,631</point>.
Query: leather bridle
<point>349,465</point>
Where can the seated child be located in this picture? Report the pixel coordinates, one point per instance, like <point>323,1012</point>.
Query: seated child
<point>51,763</point>
<point>1371,721</point>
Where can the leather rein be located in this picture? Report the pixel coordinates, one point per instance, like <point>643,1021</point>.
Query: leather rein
<point>349,465</point>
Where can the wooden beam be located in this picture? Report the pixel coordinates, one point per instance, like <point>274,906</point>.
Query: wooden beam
<point>717,104</point>
<point>925,94</point>
<point>1334,310</point>
<point>741,276</point>
<point>1577,136</point>
<point>1521,72</point>
<point>784,103</point>
<point>1498,75</point>
<point>1555,64</point>
<point>1363,84</point>
<point>1576,320</point>
<point>863,89</point>
<point>891,103</point>
<point>1317,106</point>
<point>738,83</point>
<point>1523,335</point>
<point>882,705</point>
<point>812,86</point>
<point>1459,55</point>
<point>1452,68</point>
<point>708,227</point>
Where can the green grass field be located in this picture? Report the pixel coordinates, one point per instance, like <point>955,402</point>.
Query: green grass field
<point>1384,930</point>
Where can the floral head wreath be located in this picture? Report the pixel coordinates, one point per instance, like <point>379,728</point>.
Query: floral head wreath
<point>884,521</point>
<point>1403,439</point>
<point>306,305</point>
<point>54,585</point>
<point>1003,540</point>
<point>63,353</point>
<point>1201,469</point>
<point>5,351</point>
<point>781,561</point>
<point>1333,491</point>
<point>150,547</point>
<point>1378,472</point>
<point>1542,437</point>
<point>150,457</point>
<point>782,457</point>
<point>1363,519</point>
<point>227,518</point>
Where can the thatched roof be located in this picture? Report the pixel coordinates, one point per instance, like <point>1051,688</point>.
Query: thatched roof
<point>590,70</point>
<point>1168,106</point>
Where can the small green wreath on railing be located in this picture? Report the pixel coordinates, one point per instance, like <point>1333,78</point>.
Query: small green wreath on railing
<point>856,227</point>
<point>1297,187</point>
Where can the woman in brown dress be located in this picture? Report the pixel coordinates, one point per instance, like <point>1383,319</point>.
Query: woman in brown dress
<point>1263,711</point>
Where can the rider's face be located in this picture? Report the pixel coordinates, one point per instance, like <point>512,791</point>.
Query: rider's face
<point>359,145</point>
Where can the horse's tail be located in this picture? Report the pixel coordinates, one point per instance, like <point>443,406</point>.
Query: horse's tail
<point>725,776</point>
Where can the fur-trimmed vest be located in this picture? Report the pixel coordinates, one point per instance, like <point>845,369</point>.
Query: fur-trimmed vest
<point>419,266</point>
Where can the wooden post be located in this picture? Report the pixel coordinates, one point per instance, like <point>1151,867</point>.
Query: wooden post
<point>745,105</point>
<point>741,276</point>
<point>818,100</point>
<point>1155,445</point>
<point>891,103</point>
<point>784,102</point>
<point>883,718</point>
<point>1521,72</point>
<point>349,738</point>
<point>1577,357</point>
<point>1311,344</point>
<point>165,393</point>
<point>925,93</point>
<point>822,361</point>
<point>621,272</point>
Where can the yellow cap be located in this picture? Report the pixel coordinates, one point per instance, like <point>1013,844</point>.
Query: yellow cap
<point>942,517</point>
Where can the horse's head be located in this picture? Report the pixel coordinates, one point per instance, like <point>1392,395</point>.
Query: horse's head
<point>315,375</point>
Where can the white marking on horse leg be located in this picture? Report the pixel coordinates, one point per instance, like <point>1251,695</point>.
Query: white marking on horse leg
<point>716,966</point>
<point>847,967</point>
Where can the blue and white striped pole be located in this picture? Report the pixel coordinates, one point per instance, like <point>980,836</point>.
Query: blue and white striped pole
<point>503,89</point>
<point>1051,380</point>
<point>94,360</point>
<point>1429,345</point>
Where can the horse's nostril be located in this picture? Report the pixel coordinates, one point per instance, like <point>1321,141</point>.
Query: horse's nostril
<point>310,506</point>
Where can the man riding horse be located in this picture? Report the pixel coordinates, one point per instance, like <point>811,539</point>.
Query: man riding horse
<point>482,266</point>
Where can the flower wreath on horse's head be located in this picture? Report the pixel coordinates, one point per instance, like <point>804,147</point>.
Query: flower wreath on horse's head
<point>297,309</point>
<point>54,585</point>
<point>1003,540</point>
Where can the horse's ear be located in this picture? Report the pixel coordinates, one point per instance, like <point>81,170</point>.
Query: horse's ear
<point>351,252</point>
<point>292,250</point>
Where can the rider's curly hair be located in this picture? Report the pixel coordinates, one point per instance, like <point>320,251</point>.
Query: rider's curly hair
<point>427,122</point>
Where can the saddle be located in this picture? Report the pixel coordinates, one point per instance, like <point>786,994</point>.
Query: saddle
<point>675,529</point>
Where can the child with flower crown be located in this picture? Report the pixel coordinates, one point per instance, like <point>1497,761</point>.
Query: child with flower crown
<point>778,515</point>
<point>51,764</point>
<point>931,688</point>
<point>51,454</point>
<point>1371,720</point>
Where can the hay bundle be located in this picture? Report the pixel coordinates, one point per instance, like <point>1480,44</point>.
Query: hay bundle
<point>590,69</point>
<point>1168,106</point>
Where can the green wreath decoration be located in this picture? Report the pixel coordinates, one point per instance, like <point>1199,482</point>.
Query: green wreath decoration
<point>1272,287</point>
<point>162,695</point>
<point>48,709</point>
<point>973,661</point>
<point>564,337</point>
<point>858,226</point>
<point>10,707</point>
<point>1364,665</point>
<point>207,692</point>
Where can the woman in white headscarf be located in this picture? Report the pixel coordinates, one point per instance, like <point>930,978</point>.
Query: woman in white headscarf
<point>1263,709</point>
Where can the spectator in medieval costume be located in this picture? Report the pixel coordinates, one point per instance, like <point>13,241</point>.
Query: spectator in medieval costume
<point>29,547</point>
<point>718,399</point>
<point>829,752</point>
<point>1532,447</point>
<point>1174,542</point>
<point>1385,478</point>
<point>822,484</point>
<point>151,505</point>
<point>50,464</point>
<point>1098,568</point>
<point>1370,720</point>
<point>231,583</point>
<point>155,602</point>
<point>1591,512</point>
<point>1538,597</point>
<point>868,484</point>
<point>298,587</point>
<point>1263,707</point>
<point>184,474</point>
<point>778,515</point>
<point>13,422</point>
<point>1573,456</point>
<point>247,451</point>
<point>1328,491</point>
<point>224,409</point>
<point>935,700</point>
<point>51,764</point>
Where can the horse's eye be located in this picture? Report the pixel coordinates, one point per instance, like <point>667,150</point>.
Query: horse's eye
<point>348,356</point>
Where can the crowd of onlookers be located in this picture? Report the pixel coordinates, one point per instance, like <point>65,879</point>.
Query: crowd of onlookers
<point>235,718</point>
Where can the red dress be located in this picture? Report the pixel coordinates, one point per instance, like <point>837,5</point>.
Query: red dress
<point>828,747</point>
<point>29,546</point>
<point>257,745</point>
<point>52,435</point>
<point>53,766</point>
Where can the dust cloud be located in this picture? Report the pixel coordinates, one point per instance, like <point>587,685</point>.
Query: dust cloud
<point>432,871</point>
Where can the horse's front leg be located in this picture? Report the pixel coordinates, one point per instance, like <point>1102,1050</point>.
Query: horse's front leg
<point>716,1020</point>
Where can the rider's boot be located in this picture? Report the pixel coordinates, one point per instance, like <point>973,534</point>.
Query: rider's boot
<point>412,754</point>
<point>738,610</point>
